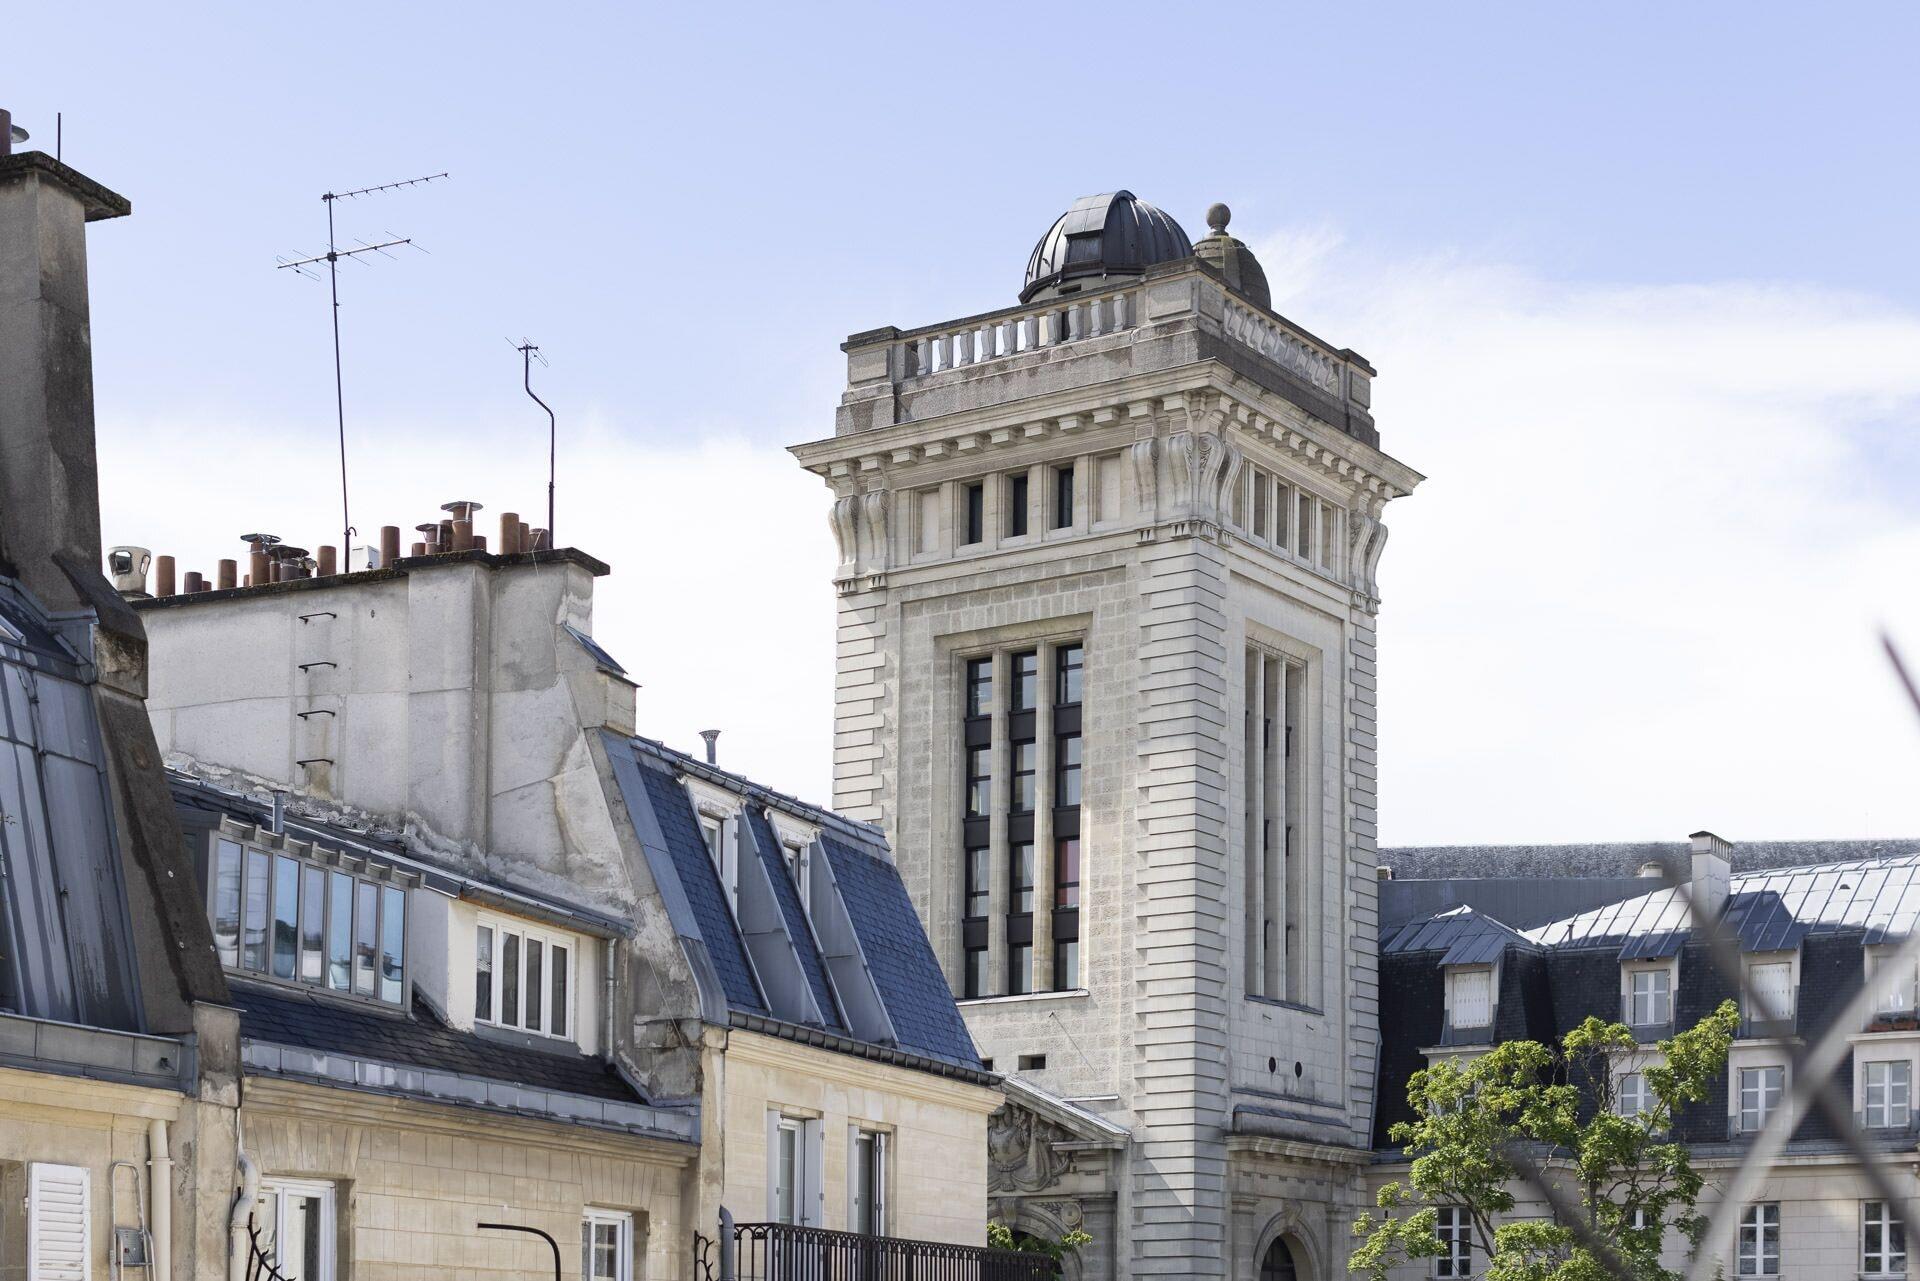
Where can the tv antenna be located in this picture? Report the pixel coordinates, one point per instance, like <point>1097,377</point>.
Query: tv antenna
<point>333,256</point>
<point>528,354</point>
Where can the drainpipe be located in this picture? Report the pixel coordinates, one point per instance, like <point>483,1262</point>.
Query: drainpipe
<point>160,1197</point>
<point>606,1009</point>
<point>237,1242</point>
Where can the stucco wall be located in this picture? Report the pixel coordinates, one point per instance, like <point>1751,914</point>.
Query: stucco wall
<point>414,1179</point>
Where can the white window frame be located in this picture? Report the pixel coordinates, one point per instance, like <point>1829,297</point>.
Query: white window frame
<point>324,1192</point>
<point>809,1168</point>
<point>547,938</point>
<point>51,1190</point>
<point>717,810</point>
<point>1895,992</point>
<point>796,840</point>
<point>1659,1001</point>
<point>1763,1111</point>
<point>1894,1110</point>
<point>882,1141</point>
<point>1759,1229</point>
<point>1641,1094</point>
<point>1889,1222</point>
<point>1454,1227</point>
<point>621,1221</point>
<point>1459,979</point>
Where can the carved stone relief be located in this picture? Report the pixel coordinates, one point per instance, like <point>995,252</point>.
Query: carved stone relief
<point>1020,1152</point>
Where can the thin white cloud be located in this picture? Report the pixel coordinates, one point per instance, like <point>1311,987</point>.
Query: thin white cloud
<point>1639,594</point>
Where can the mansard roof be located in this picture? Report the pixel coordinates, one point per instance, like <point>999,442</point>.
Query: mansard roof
<point>851,970</point>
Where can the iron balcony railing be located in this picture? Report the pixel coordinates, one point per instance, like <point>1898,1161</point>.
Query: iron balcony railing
<point>784,1252</point>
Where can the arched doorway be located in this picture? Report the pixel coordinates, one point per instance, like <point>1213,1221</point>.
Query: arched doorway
<point>1278,1265</point>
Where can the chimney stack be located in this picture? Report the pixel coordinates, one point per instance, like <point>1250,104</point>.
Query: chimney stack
<point>1712,874</point>
<point>49,477</point>
<point>713,737</point>
<point>128,568</point>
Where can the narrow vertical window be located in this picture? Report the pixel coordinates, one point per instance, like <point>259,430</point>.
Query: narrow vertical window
<point>1017,505</point>
<point>1304,544</point>
<point>1022,863</point>
<point>366,924</point>
<point>1026,761</point>
<point>1066,872</point>
<point>1066,964</point>
<point>557,1007</point>
<point>535,981</point>
<point>1068,661</point>
<point>788,1168</point>
<point>226,903</point>
<point>606,1246</point>
<point>253,939</point>
<point>510,979</point>
<point>483,974</point>
<point>1026,682</point>
<point>1063,497</point>
<point>393,936</point>
<point>286,916</point>
<point>868,1215</point>
<point>1455,1231</point>
<point>1282,502</point>
<point>979,883</point>
<point>339,931</point>
<point>976,976</point>
<point>979,781</point>
<point>313,917</point>
<point>1019,968</point>
<point>974,516</point>
<point>1631,1095</point>
<point>1066,788</point>
<point>979,687</point>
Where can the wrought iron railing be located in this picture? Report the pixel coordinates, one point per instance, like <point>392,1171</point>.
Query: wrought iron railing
<point>785,1252</point>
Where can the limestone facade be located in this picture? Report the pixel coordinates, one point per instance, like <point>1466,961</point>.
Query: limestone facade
<point>1188,489</point>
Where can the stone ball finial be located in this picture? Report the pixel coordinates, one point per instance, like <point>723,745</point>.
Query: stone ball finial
<point>1217,217</point>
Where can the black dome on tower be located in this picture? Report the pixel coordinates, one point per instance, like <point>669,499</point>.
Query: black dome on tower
<point>1113,234</point>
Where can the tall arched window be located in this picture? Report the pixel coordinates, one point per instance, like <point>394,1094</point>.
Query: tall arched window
<point>1278,1265</point>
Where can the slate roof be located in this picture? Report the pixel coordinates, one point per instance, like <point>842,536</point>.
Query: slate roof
<point>796,916</point>
<point>417,1039</point>
<point>915,991</point>
<point>1767,909</point>
<point>1624,858</point>
<point>1466,936</point>
<point>892,943</point>
<point>700,881</point>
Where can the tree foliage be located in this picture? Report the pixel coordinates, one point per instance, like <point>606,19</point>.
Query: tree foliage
<point>1624,1178</point>
<point>1002,1237</point>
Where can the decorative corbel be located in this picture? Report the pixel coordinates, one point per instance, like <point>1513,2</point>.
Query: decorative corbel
<point>1146,478</point>
<point>845,534</point>
<point>1222,499</point>
<point>874,505</point>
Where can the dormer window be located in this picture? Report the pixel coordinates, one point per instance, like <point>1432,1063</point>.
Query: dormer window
<point>523,977</point>
<point>1470,997</point>
<point>1769,996</point>
<point>1894,986</point>
<point>300,914</point>
<point>1650,996</point>
<point>718,812</point>
<point>796,837</point>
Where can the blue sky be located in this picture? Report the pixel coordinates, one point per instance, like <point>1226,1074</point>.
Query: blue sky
<point>1695,220</point>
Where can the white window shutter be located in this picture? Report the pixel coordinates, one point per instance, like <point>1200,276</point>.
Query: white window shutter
<point>59,1223</point>
<point>773,1166</point>
<point>814,1186</point>
<point>1772,986</point>
<point>853,1178</point>
<point>730,859</point>
<point>1472,998</point>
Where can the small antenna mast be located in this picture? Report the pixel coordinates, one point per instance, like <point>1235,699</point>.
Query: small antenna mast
<point>333,256</point>
<point>528,354</point>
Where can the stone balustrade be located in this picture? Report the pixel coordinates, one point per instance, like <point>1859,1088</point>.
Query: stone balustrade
<point>1282,346</point>
<point>997,337</point>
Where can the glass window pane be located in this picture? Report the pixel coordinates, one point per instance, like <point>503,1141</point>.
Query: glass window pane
<point>976,977</point>
<point>302,1237</point>
<point>366,921</point>
<point>393,934</point>
<point>510,978</point>
<point>1068,684</point>
<point>980,687</point>
<point>783,1198</point>
<point>253,941</point>
<point>1019,969</point>
<point>226,903</point>
<point>535,984</point>
<point>286,915</point>
<point>557,1014</point>
<point>1066,964</point>
<point>339,930</point>
<point>483,973</point>
<point>1022,862</point>
<point>1066,872</point>
<point>1026,680</point>
<point>313,916</point>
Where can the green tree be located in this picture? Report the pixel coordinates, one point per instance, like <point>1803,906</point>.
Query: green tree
<point>1002,1237</point>
<point>1473,1121</point>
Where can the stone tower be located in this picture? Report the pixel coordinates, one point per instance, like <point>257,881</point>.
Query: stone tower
<point>1106,677</point>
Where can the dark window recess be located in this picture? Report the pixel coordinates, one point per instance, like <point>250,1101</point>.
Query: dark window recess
<point>979,884</point>
<point>1026,761</point>
<point>979,687</point>
<point>1066,786</point>
<point>976,977</point>
<point>1033,1062</point>
<point>1026,682</point>
<point>986,1065</point>
<point>1067,661</point>
<point>1062,497</point>
<point>979,781</point>
<point>1017,505</point>
<point>975,496</point>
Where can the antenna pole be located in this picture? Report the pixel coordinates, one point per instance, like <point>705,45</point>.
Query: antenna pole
<point>339,394</point>
<point>527,351</point>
